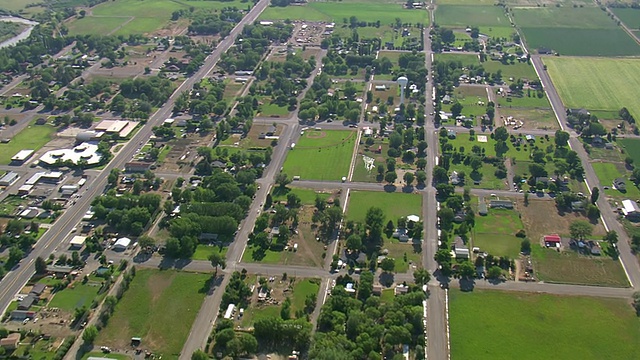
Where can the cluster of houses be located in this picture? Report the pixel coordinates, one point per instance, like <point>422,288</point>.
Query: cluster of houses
<point>26,302</point>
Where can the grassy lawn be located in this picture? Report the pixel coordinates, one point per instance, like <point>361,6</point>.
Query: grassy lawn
<point>321,155</point>
<point>394,205</point>
<point>203,251</point>
<point>387,296</point>
<point>631,148</point>
<point>398,251</point>
<point>596,83</point>
<point>463,16</point>
<point>573,268</point>
<point>159,307</point>
<point>307,196</point>
<point>273,110</point>
<point>32,137</point>
<point>465,59</point>
<point>271,257</point>
<point>77,296</point>
<point>94,25</point>
<point>608,172</point>
<point>512,325</point>
<point>368,11</point>
<point>495,233</point>
<point>253,314</point>
<point>300,292</point>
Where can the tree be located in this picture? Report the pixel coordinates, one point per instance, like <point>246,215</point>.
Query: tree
<point>90,334</point>
<point>282,180</point>
<point>354,243</point>
<point>501,134</point>
<point>216,260</point>
<point>580,229</point>
<point>611,237</point>
<point>408,178</point>
<point>146,241</point>
<point>456,109</point>
<point>466,269</point>
<point>390,177</point>
<point>199,355</point>
<point>421,176</point>
<point>494,272</point>
<point>561,138</point>
<point>421,276</point>
<point>595,193</point>
<point>41,265</point>
<point>388,264</point>
<point>525,246</point>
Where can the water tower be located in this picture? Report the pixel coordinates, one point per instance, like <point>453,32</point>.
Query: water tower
<point>402,82</point>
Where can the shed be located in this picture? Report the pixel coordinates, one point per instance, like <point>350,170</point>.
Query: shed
<point>122,244</point>
<point>9,178</point>
<point>11,341</point>
<point>230,310</point>
<point>552,240</point>
<point>630,208</point>
<point>77,242</point>
<point>22,155</point>
<point>26,303</point>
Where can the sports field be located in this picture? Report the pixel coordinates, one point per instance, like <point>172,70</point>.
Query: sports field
<point>394,205</point>
<point>596,83</point>
<point>321,155</point>
<point>338,12</point>
<point>512,325</point>
<point>159,307</point>
<point>463,16</point>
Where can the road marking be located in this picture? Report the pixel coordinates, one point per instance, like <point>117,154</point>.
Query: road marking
<point>446,311</point>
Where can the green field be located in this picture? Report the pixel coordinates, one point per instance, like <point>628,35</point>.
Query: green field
<point>32,137</point>
<point>273,110</point>
<point>512,325</point>
<point>203,251</point>
<point>159,307</point>
<point>75,297</point>
<point>515,71</point>
<point>495,233</point>
<point>582,42</point>
<point>629,16</point>
<point>339,12</point>
<point>596,83</point>
<point>394,205</point>
<point>465,59</point>
<point>301,290</point>
<point>463,16</point>
<point>563,17</point>
<point>608,172</point>
<point>307,196</point>
<point>93,25</point>
<point>631,148</point>
<point>321,155</point>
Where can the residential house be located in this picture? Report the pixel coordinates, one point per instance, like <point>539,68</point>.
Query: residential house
<point>630,209</point>
<point>620,184</point>
<point>11,341</point>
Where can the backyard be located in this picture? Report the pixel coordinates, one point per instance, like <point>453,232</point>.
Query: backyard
<point>159,307</point>
<point>321,155</point>
<point>513,325</point>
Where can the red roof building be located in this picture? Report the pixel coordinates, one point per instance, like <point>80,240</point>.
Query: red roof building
<point>552,238</point>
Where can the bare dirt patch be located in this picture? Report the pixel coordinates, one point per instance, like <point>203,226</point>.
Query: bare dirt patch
<point>541,218</point>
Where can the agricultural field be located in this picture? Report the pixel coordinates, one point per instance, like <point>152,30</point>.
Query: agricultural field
<point>32,137</point>
<point>148,310</point>
<point>321,155</point>
<point>596,83</point>
<point>577,31</point>
<point>339,12</point>
<point>495,233</point>
<point>461,16</point>
<point>394,205</point>
<point>522,323</point>
<point>629,16</point>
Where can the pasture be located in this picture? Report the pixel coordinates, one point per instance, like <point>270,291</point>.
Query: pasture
<point>582,42</point>
<point>159,307</point>
<point>629,16</point>
<point>93,25</point>
<point>340,12</point>
<point>596,83</point>
<point>394,205</point>
<point>464,15</point>
<point>321,155</point>
<point>488,324</point>
<point>563,17</point>
<point>495,233</point>
<point>32,137</point>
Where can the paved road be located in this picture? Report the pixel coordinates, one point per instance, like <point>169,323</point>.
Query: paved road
<point>57,235</point>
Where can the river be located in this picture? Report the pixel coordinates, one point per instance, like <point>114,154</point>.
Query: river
<point>23,35</point>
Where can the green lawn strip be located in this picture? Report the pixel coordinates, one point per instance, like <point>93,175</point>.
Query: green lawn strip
<point>394,205</point>
<point>572,268</point>
<point>271,257</point>
<point>508,325</point>
<point>203,251</point>
<point>159,307</point>
<point>307,196</point>
<point>32,137</point>
<point>321,155</point>
<point>517,70</point>
<point>253,314</point>
<point>397,251</point>
<point>495,233</point>
<point>76,296</point>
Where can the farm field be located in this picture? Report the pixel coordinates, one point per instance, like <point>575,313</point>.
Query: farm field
<point>495,233</point>
<point>522,323</point>
<point>92,25</point>
<point>629,16</point>
<point>562,17</point>
<point>366,11</point>
<point>465,15</point>
<point>518,70</point>
<point>582,42</point>
<point>32,137</point>
<point>596,83</point>
<point>394,205</point>
<point>148,310</point>
<point>321,155</point>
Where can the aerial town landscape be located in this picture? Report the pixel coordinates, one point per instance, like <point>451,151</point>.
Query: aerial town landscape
<point>307,179</point>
